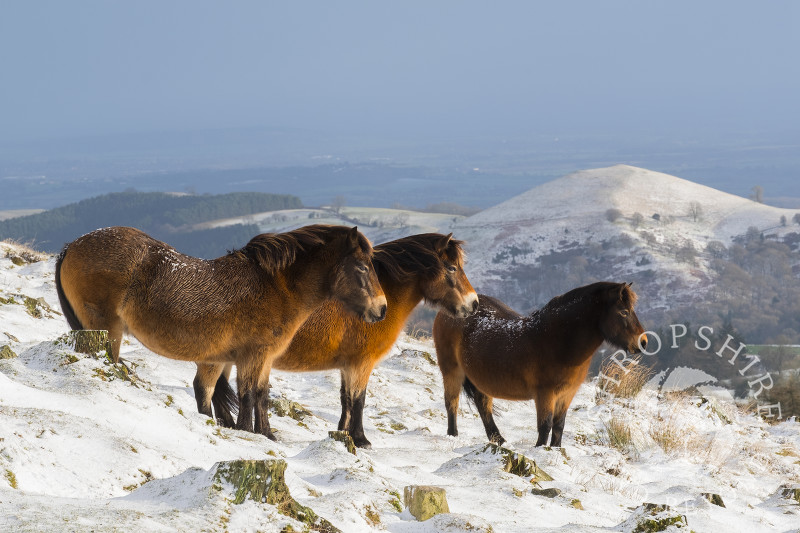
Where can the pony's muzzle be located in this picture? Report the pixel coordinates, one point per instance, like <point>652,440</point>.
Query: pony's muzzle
<point>469,307</point>
<point>377,311</point>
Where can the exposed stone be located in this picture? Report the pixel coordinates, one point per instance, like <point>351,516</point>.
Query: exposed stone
<point>424,501</point>
<point>264,482</point>
<point>652,518</point>
<point>790,493</point>
<point>576,503</point>
<point>715,499</point>
<point>518,464</point>
<point>345,438</point>
<point>286,407</point>
<point>90,341</point>
<point>547,493</point>
<point>6,352</point>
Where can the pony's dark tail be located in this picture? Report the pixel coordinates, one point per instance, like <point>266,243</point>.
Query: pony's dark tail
<point>474,395</point>
<point>225,399</point>
<point>66,307</point>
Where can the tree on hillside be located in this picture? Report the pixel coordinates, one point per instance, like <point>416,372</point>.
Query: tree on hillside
<point>796,218</point>
<point>695,211</point>
<point>613,214</point>
<point>758,194</point>
<point>784,222</point>
<point>338,203</point>
<point>637,219</point>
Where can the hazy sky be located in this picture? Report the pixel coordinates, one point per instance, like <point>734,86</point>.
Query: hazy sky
<point>408,68</point>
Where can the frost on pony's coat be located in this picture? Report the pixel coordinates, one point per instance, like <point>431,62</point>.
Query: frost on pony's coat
<point>544,356</point>
<point>241,308</point>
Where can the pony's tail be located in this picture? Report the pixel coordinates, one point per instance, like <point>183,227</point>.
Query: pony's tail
<point>66,307</point>
<point>225,398</point>
<point>474,395</point>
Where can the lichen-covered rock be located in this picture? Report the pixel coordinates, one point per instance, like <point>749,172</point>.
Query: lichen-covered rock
<point>286,407</point>
<point>576,503</point>
<point>518,464</point>
<point>424,501</point>
<point>652,518</point>
<point>6,352</point>
<point>89,341</point>
<point>547,493</point>
<point>345,438</point>
<point>715,499</point>
<point>264,482</point>
<point>790,493</point>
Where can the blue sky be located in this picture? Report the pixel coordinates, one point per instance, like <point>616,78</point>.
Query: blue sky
<point>446,68</point>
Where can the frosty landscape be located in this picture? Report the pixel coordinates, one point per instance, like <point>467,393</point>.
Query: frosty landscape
<point>82,449</point>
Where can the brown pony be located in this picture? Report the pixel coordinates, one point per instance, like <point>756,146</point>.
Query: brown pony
<point>427,266</point>
<point>241,308</point>
<point>543,356</point>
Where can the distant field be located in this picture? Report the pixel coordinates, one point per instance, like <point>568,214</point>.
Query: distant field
<point>14,213</point>
<point>379,224</point>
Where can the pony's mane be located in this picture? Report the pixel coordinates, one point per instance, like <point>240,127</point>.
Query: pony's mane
<point>587,292</point>
<point>276,251</point>
<point>406,258</point>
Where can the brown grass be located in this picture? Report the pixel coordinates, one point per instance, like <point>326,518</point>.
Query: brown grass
<point>622,382</point>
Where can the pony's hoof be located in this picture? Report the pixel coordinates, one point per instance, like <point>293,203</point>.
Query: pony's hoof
<point>497,439</point>
<point>271,436</point>
<point>362,443</point>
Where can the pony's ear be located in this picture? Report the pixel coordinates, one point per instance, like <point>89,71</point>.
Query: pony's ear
<point>352,237</point>
<point>623,292</point>
<point>443,243</point>
<point>630,283</point>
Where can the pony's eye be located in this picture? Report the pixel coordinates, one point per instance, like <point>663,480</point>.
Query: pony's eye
<point>361,268</point>
<point>451,268</point>
<point>623,313</point>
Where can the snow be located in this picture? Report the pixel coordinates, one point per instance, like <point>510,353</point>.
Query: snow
<point>571,210</point>
<point>103,455</point>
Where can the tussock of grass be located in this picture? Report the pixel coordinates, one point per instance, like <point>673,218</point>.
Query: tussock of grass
<point>617,434</point>
<point>624,381</point>
<point>21,254</point>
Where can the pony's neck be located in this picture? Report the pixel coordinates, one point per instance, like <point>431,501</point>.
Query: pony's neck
<point>401,294</point>
<point>571,323</point>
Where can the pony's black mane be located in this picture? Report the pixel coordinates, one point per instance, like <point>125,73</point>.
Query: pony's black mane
<point>276,251</point>
<point>587,292</point>
<point>406,258</point>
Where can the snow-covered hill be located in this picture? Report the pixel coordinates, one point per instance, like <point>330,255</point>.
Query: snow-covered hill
<point>658,216</point>
<point>83,451</point>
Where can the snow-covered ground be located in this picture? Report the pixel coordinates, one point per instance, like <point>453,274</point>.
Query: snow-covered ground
<point>82,452</point>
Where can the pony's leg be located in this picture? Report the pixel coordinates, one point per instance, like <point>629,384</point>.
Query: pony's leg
<point>347,403</point>
<point>356,428</point>
<point>246,381</point>
<point>354,394</point>
<point>224,398</point>
<point>560,416</point>
<point>453,380</point>
<point>545,403</point>
<point>205,379</point>
<point>261,404</point>
<point>484,404</point>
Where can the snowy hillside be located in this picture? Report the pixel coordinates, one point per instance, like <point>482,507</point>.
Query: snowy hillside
<point>377,223</point>
<point>657,216</point>
<point>81,450</point>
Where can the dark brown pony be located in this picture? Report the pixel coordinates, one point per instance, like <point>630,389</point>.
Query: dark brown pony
<point>427,266</point>
<point>543,356</point>
<point>241,308</point>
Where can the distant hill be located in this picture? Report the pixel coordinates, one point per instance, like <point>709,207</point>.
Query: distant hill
<point>695,254</point>
<point>169,217</point>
